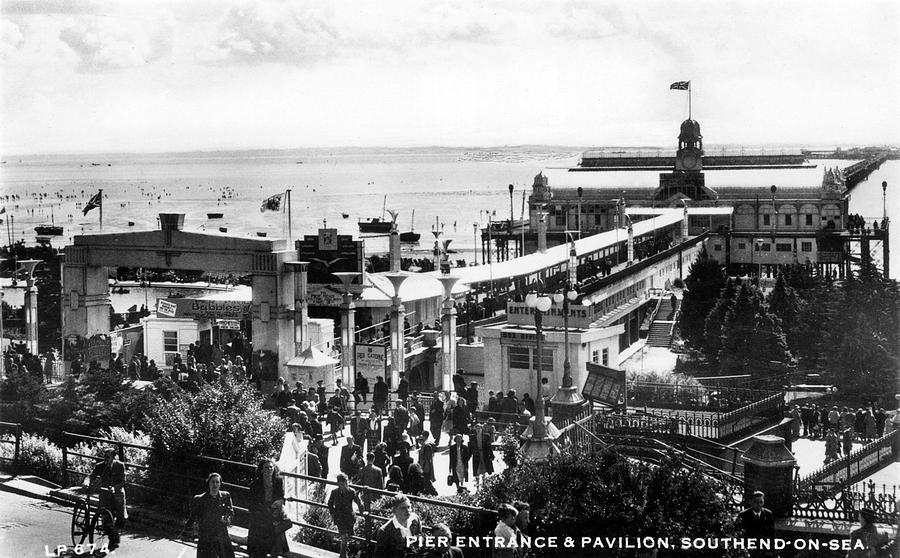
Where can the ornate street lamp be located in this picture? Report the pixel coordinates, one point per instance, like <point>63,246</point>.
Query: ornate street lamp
<point>348,326</point>
<point>475,236</point>
<point>538,445</point>
<point>31,319</point>
<point>398,349</point>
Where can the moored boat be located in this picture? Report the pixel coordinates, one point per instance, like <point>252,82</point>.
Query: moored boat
<point>214,215</point>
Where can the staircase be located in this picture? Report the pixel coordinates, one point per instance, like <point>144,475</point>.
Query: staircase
<point>663,325</point>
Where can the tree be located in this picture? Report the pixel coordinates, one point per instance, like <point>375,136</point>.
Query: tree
<point>784,303</point>
<point>712,328</point>
<point>737,331</point>
<point>703,284</point>
<point>768,343</point>
<point>603,493</point>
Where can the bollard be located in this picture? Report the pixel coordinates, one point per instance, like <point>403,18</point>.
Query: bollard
<point>769,467</point>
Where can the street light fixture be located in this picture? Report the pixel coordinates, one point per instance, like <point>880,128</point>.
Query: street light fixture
<point>539,445</point>
<point>567,400</point>
<point>475,235</point>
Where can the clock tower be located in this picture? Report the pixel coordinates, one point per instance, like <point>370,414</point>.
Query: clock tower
<point>689,156</point>
<point>687,180</point>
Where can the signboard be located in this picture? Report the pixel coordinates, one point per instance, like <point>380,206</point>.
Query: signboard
<point>328,253</point>
<point>604,385</point>
<point>228,324</point>
<point>166,308</point>
<point>328,239</point>
<point>98,348</point>
<point>829,257</point>
<point>324,295</point>
<point>372,360</point>
<point>204,309</point>
<point>579,316</point>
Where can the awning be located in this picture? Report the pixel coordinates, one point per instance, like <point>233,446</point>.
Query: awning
<point>621,310</point>
<point>312,358</point>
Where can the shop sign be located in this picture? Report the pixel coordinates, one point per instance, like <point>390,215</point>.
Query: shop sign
<point>372,360</point>
<point>204,309</point>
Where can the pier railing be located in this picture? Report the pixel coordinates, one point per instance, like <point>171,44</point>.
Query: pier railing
<point>842,502</point>
<point>11,433</point>
<point>860,463</point>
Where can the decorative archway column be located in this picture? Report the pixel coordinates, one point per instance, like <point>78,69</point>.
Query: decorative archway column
<point>31,319</point>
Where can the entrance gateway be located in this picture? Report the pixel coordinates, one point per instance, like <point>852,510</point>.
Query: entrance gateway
<point>278,314</point>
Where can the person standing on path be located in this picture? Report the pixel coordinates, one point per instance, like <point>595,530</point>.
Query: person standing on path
<point>340,505</point>
<point>213,512</point>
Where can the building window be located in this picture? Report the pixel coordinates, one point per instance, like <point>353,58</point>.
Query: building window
<point>595,356</point>
<point>788,219</point>
<point>170,341</point>
<point>717,247</point>
<point>561,219</point>
<point>809,219</point>
<point>767,219</point>
<point>605,361</point>
<point>783,247</point>
<point>806,246</point>
<point>765,247</point>
<point>742,245</point>
<point>519,357</point>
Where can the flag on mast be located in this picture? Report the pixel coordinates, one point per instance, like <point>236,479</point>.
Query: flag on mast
<point>95,201</point>
<point>681,85</point>
<point>272,203</point>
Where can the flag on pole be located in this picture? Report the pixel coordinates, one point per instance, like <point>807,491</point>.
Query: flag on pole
<point>681,85</point>
<point>272,203</point>
<point>95,201</point>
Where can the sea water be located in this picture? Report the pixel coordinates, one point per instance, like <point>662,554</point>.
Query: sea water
<point>450,189</point>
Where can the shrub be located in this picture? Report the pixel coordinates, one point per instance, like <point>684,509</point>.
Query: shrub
<point>223,420</point>
<point>37,456</point>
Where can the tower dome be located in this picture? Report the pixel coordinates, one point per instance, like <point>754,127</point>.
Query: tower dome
<point>690,132</point>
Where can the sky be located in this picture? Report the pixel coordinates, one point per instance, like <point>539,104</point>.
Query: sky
<point>182,75</point>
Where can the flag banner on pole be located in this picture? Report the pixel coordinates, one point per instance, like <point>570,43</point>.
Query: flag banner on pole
<point>95,201</point>
<point>271,204</point>
<point>682,85</point>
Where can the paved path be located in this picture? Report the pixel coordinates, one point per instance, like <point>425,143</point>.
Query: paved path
<point>32,527</point>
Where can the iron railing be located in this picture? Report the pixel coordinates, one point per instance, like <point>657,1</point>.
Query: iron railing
<point>859,463</point>
<point>15,430</point>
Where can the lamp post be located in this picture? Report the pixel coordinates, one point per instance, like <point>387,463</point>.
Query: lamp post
<point>448,331</point>
<point>348,327</point>
<point>31,320</point>
<point>884,199</point>
<point>398,366</point>
<point>511,188</point>
<point>2,334</point>
<point>567,401</point>
<point>475,237</point>
<point>436,252</point>
<point>538,445</point>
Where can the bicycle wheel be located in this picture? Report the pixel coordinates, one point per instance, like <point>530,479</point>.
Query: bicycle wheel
<point>80,525</point>
<point>101,523</point>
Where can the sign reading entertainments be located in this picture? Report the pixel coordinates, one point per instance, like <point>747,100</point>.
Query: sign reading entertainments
<point>579,316</point>
<point>372,360</point>
<point>203,309</point>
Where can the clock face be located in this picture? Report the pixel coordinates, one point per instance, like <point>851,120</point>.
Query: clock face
<point>690,160</point>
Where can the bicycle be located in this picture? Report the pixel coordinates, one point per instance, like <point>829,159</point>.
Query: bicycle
<point>91,523</point>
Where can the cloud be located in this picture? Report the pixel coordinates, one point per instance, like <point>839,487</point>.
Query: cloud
<point>281,33</point>
<point>43,7</point>
<point>103,44</point>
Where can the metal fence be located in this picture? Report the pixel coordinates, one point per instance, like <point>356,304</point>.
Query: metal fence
<point>859,463</point>
<point>842,502</point>
<point>11,433</point>
<point>314,497</point>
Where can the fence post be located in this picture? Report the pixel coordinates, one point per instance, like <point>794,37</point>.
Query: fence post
<point>65,465</point>
<point>367,502</point>
<point>121,449</point>
<point>17,450</point>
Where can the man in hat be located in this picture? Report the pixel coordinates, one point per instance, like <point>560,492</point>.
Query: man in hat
<point>402,389</point>
<point>359,428</point>
<point>320,395</point>
<point>109,477</point>
<point>380,395</point>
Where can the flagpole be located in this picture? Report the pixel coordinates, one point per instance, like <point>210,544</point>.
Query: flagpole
<point>101,209</point>
<point>689,100</point>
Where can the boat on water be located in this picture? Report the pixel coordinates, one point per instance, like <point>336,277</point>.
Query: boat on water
<point>411,235</point>
<point>345,215</point>
<point>214,215</point>
<point>223,229</point>
<point>376,224</point>
<point>130,223</point>
<point>261,234</point>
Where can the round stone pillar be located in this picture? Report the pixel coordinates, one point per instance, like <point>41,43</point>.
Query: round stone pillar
<point>769,467</point>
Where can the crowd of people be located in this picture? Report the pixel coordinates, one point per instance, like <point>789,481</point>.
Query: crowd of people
<point>43,368</point>
<point>839,427</point>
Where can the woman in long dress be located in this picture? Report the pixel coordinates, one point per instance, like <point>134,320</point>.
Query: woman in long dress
<point>213,512</point>
<point>266,506</point>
